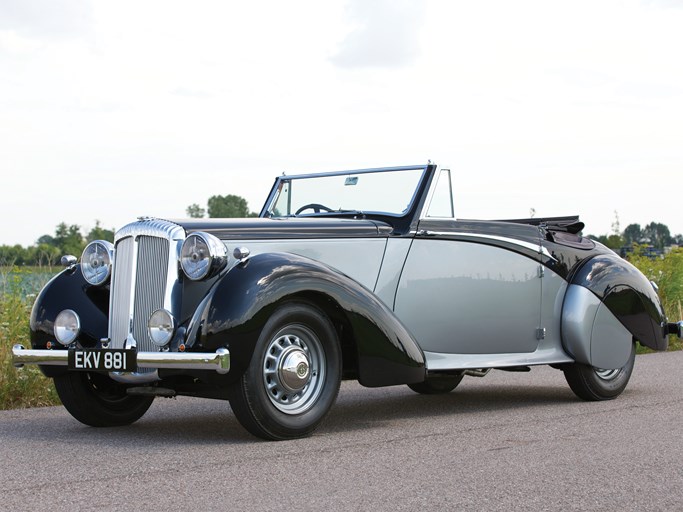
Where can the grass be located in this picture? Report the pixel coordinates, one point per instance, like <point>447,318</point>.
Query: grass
<point>667,272</point>
<point>27,386</point>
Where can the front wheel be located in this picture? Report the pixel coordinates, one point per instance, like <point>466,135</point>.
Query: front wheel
<point>98,401</point>
<point>593,384</point>
<point>294,375</point>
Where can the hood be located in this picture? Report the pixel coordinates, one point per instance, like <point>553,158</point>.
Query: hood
<point>260,228</point>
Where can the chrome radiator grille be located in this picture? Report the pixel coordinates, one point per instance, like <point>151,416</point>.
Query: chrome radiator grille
<point>142,278</point>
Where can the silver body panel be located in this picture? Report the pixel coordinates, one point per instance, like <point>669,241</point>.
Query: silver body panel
<point>592,334</point>
<point>549,354</point>
<point>467,298</point>
<point>392,267</point>
<point>358,258</point>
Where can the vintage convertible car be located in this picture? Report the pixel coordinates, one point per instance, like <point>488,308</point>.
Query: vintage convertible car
<point>361,275</point>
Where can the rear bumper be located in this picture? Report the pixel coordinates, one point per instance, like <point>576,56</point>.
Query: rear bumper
<point>675,328</point>
<point>218,361</point>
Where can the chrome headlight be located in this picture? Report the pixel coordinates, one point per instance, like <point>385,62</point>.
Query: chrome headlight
<point>67,327</point>
<point>161,327</point>
<point>96,262</point>
<point>202,255</point>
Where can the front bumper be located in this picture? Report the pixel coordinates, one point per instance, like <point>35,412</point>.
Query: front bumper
<point>218,361</point>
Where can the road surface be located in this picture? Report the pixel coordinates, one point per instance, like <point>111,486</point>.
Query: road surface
<point>509,441</point>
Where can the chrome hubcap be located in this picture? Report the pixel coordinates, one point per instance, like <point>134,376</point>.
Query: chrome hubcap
<point>294,369</point>
<point>607,374</point>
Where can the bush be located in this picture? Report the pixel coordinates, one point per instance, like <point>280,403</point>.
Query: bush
<point>25,387</point>
<point>667,272</point>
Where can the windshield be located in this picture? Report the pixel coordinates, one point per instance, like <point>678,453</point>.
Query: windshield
<point>389,192</point>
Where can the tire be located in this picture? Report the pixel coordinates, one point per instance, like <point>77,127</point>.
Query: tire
<point>96,400</point>
<point>437,384</point>
<point>293,377</point>
<point>594,384</point>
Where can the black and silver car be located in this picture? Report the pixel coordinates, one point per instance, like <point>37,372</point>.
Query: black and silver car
<point>363,274</point>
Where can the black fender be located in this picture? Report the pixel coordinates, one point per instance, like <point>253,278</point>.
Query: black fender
<point>69,290</point>
<point>628,295</point>
<point>237,306</point>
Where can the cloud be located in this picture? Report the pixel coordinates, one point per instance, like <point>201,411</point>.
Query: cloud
<point>192,93</point>
<point>386,34</point>
<point>46,19</point>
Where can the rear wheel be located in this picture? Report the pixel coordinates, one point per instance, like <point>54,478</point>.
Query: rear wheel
<point>593,384</point>
<point>437,384</point>
<point>294,375</point>
<point>98,401</point>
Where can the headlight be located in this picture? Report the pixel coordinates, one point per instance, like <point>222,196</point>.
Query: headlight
<point>96,262</point>
<point>67,327</point>
<point>202,255</point>
<point>161,327</point>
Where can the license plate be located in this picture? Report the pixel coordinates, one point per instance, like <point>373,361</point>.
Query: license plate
<point>103,360</point>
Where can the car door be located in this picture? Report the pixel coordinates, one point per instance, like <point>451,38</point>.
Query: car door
<point>472,287</point>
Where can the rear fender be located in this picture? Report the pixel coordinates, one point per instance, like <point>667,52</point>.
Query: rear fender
<point>238,306</point>
<point>608,304</point>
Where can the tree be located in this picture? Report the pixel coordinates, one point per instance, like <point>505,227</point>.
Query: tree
<point>99,233</point>
<point>633,234</point>
<point>68,239</point>
<point>614,242</point>
<point>195,211</point>
<point>43,255</point>
<point>12,255</point>
<point>230,206</point>
<point>658,234</point>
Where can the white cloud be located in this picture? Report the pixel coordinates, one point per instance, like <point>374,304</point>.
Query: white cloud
<point>385,34</point>
<point>46,19</point>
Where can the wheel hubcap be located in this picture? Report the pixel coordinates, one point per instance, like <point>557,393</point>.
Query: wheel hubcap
<point>606,374</point>
<point>294,369</point>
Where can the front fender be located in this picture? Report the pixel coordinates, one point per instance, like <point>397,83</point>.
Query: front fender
<point>608,304</point>
<point>238,305</point>
<point>69,290</point>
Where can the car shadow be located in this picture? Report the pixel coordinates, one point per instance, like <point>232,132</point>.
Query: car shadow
<point>352,414</point>
<point>191,421</point>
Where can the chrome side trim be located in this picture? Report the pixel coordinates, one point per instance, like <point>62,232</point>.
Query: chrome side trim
<point>218,361</point>
<point>513,241</point>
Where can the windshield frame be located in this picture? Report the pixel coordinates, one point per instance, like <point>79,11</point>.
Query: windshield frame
<point>269,205</point>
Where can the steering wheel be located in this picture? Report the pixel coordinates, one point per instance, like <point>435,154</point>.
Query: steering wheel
<point>316,207</point>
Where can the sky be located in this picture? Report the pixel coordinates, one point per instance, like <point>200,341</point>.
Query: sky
<point>114,110</point>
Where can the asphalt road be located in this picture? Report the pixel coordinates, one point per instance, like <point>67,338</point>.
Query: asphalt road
<point>505,442</point>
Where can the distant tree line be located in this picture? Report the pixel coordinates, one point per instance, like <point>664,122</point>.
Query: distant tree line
<point>222,207</point>
<point>49,249</point>
<point>654,234</point>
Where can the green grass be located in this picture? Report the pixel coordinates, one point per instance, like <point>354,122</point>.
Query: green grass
<point>667,272</point>
<point>24,387</point>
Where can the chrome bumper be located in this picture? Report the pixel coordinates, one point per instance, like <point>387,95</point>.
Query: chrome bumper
<point>218,361</point>
<point>675,328</point>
